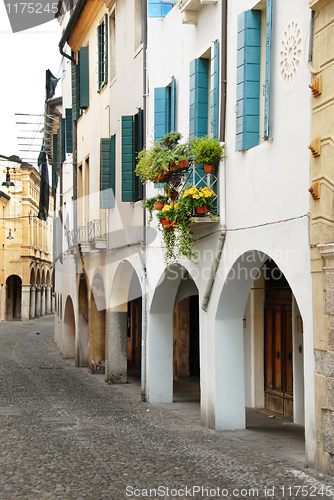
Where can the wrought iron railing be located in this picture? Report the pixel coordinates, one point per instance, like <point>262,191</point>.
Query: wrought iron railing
<point>94,229</point>
<point>76,236</point>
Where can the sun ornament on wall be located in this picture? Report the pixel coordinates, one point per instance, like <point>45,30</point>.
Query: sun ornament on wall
<point>290,55</point>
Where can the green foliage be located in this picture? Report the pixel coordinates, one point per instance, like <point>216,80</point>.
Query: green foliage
<point>149,204</point>
<point>170,140</point>
<point>207,150</point>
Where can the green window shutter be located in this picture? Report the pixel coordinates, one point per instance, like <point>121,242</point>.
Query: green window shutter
<point>248,79</point>
<point>173,105</point>
<point>214,90</point>
<point>107,172</point>
<point>63,140</point>
<point>99,56</point>
<point>267,71</point>
<point>199,88</point>
<point>105,49</point>
<point>75,92</point>
<point>55,166</point>
<point>68,127</point>
<point>139,144</point>
<point>127,158</point>
<point>162,112</point>
<point>83,78</point>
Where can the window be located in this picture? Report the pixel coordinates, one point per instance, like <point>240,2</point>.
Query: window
<point>112,57</point>
<point>68,128</point>
<point>80,83</point>
<point>164,110</point>
<point>102,53</point>
<point>132,144</point>
<point>3,256</point>
<point>253,74</point>
<point>107,172</point>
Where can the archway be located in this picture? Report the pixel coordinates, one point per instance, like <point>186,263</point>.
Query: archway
<point>13,297</point>
<point>81,355</point>
<point>124,324</point>
<point>97,326</point>
<point>258,361</point>
<point>173,334</point>
<point>32,307</point>
<point>68,349</point>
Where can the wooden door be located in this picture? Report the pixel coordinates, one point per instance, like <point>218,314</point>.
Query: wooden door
<point>278,377</point>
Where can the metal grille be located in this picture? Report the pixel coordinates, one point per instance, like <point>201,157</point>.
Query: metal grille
<point>94,229</point>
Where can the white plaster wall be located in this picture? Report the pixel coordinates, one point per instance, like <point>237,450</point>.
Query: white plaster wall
<point>247,351</point>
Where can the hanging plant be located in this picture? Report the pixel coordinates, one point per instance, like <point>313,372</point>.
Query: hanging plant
<point>150,204</point>
<point>207,150</point>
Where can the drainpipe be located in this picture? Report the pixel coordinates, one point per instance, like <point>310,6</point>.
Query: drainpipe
<point>223,79</point>
<point>144,247</point>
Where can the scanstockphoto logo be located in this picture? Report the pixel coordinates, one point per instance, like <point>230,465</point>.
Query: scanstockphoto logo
<point>25,15</point>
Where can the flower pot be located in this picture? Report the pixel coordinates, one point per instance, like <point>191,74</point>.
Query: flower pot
<point>167,224</point>
<point>202,210</point>
<point>159,205</point>
<point>162,177</point>
<point>183,163</point>
<point>173,195</point>
<point>209,169</point>
<point>176,183</point>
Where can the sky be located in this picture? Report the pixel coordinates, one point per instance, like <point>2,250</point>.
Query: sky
<point>24,58</point>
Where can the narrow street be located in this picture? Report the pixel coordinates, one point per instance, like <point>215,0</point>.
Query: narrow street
<point>65,434</point>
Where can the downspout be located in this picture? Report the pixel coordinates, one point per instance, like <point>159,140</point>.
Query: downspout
<point>223,91</point>
<point>310,53</point>
<point>144,247</point>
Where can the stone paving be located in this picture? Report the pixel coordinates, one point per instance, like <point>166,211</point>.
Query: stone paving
<point>65,434</point>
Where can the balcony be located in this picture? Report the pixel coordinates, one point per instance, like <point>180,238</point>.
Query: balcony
<point>96,239</point>
<point>189,9</point>
<point>77,240</point>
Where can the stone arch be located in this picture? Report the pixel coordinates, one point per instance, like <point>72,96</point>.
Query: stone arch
<point>174,286</point>
<point>230,344</point>
<point>38,277</point>
<point>48,281</point>
<point>81,356</point>
<point>97,325</point>
<point>13,297</point>
<point>68,349</point>
<point>43,277</point>
<point>126,289</point>
<point>32,276</point>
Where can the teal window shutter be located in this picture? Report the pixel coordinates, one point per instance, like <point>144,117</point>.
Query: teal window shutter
<point>55,166</point>
<point>107,172</point>
<point>127,158</point>
<point>138,146</point>
<point>83,77</point>
<point>105,48</point>
<point>267,71</point>
<point>162,112</point>
<point>63,140</point>
<point>248,79</point>
<point>214,90</point>
<point>75,92</point>
<point>199,88</point>
<point>68,127</point>
<point>99,56</point>
<point>173,105</point>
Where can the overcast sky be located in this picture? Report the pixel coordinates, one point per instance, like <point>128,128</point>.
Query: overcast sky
<point>24,58</point>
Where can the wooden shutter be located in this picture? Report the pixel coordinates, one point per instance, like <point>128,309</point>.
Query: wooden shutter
<point>63,140</point>
<point>105,48</point>
<point>162,112</point>
<point>138,146</point>
<point>107,172</point>
<point>248,79</point>
<point>173,105</point>
<point>214,104</point>
<point>75,92</point>
<point>127,158</point>
<point>83,77</point>
<point>68,127</point>
<point>267,72</point>
<point>99,56</point>
<point>55,166</point>
<point>198,111</point>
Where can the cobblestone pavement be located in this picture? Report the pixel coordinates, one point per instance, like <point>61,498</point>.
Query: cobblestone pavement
<point>65,434</point>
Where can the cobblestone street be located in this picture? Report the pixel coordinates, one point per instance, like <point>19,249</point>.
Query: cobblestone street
<point>65,434</point>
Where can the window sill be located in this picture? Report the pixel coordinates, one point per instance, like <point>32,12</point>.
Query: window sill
<point>138,51</point>
<point>112,82</point>
<point>102,89</point>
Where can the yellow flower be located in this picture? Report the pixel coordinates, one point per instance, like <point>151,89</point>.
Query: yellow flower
<point>186,193</point>
<point>196,196</point>
<point>202,194</point>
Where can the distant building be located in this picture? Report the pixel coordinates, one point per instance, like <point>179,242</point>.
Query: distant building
<point>27,272</point>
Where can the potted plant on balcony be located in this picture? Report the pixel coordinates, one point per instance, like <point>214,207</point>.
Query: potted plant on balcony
<point>208,151</point>
<point>200,198</point>
<point>155,202</point>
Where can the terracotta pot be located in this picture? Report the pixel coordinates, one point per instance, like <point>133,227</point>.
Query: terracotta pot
<point>209,169</point>
<point>167,224</point>
<point>202,210</point>
<point>159,205</point>
<point>172,167</point>
<point>163,177</point>
<point>176,183</point>
<point>173,195</point>
<point>183,163</point>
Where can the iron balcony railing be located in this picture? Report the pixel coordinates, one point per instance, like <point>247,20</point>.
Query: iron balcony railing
<point>94,229</point>
<point>76,236</point>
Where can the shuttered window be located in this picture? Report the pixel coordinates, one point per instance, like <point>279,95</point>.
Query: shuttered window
<point>132,144</point>
<point>55,164</point>
<point>102,53</point>
<point>198,110</point>
<point>248,79</point>
<point>107,172</point>
<point>75,92</point>
<point>267,71</point>
<point>68,128</point>
<point>162,112</point>
<point>83,61</point>
<point>63,140</point>
<point>214,90</point>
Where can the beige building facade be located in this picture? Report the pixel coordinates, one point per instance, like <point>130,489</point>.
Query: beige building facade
<point>322,226</point>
